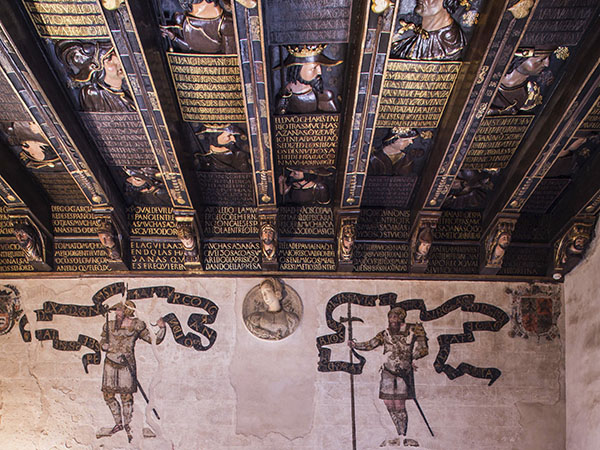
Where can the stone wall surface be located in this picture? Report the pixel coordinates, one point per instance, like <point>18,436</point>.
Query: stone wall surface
<point>248,393</point>
<point>583,352</point>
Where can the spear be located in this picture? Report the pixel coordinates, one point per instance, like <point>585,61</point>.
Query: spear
<point>351,319</point>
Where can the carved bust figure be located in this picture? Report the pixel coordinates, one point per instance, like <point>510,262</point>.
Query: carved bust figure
<point>304,92</point>
<point>438,37</point>
<point>271,310</point>
<point>206,27</point>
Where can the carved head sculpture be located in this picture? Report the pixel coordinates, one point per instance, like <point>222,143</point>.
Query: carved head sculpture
<point>185,234</point>
<point>28,240</point>
<point>84,60</point>
<point>531,61</point>
<point>304,62</point>
<point>109,239</point>
<point>221,135</point>
<point>399,138</point>
<point>347,240</point>
<point>268,240</point>
<point>426,8</point>
<point>424,241</point>
<point>271,290</point>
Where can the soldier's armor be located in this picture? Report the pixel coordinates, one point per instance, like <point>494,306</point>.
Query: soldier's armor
<point>307,102</point>
<point>211,36</point>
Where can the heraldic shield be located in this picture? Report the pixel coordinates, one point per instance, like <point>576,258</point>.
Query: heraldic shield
<point>9,308</point>
<point>535,312</point>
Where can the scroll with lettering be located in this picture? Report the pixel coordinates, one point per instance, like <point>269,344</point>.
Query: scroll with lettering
<point>196,322</point>
<point>465,302</point>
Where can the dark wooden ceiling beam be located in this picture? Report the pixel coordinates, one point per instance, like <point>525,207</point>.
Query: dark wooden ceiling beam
<point>182,137</point>
<point>26,188</point>
<point>43,94</point>
<point>554,126</point>
<point>494,40</point>
<point>580,199</point>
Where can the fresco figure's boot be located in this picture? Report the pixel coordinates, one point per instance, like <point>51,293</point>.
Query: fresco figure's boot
<point>400,419</point>
<point>115,410</point>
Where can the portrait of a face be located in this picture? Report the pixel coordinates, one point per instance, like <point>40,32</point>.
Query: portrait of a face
<point>534,65</point>
<point>426,8</point>
<point>310,71</point>
<point>113,70</point>
<point>225,138</point>
<point>272,310</point>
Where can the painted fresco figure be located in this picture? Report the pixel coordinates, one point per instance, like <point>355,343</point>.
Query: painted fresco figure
<point>206,27</point>
<point>98,66</point>
<point>304,186</point>
<point>393,158</point>
<point>274,322</point>
<point>439,37</point>
<point>518,89</point>
<point>402,343</point>
<point>225,149</point>
<point>119,376</point>
<point>304,92</point>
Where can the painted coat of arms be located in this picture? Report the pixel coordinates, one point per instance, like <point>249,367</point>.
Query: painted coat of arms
<point>535,311</point>
<point>10,308</point>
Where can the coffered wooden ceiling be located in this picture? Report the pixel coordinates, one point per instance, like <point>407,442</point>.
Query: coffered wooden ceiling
<point>408,139</point>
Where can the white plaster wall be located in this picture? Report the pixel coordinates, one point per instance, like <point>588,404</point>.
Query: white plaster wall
<point>245,393</point>
<point>583,352</point>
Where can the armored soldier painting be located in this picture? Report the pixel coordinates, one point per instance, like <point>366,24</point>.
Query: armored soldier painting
<point>119,376</point>
<point>403,343</point>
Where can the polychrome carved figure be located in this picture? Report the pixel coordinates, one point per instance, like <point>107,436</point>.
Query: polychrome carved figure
<point>518,89</point>
<point>393,158</point>
<point>304,186</point>
<point>439,37</point>
<point>304,91</point>
<point>225,149</point>
<point>97,66</point>
<point>35,152</point>
<point>206,27</point>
